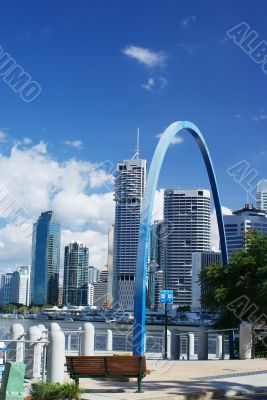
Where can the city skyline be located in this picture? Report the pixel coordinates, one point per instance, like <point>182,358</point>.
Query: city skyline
<point>190,69</point>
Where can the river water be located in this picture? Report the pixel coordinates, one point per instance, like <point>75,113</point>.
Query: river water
<point>122,334</point>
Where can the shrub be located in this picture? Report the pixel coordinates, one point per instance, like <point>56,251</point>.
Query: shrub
<point>54,391</point>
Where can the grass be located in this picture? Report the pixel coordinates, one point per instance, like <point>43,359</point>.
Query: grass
<point>54,391</point>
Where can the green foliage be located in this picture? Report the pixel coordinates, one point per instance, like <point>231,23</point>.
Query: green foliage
<point>239,290</point>
<point>54,391</point>
<point>47,306</point>
<point>34,310</point>
<point>9,308</point>
<point>22,309</point>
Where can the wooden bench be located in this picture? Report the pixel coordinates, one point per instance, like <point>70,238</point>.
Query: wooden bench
<point>107,367</point>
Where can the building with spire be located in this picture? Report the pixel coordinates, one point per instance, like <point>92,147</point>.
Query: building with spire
<point>130,183</point>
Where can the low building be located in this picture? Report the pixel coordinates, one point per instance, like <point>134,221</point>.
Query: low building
<point>239,223</point>
<point>101,290</point>
<point>90,294</point>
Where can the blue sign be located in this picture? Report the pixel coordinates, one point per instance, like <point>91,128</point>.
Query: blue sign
<point>166,296</point>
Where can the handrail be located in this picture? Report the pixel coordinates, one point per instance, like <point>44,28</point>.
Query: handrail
<point>25,341</point>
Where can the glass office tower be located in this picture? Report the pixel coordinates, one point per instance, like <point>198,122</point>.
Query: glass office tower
<point>76,265</point>
<point>45,259</point>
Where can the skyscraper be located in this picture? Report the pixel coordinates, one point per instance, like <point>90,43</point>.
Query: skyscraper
<point>200,261</point>
<point>110,266</point>
<point>239,223</point>
<point>130,182</point>
<point>45,259</point>
<point>187,230</point>
<point>20,286</point>
<point>76,264</point>
<point>261,195</point>
<point>5,288</point>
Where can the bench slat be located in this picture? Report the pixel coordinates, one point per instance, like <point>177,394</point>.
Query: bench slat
<point>134,366</point>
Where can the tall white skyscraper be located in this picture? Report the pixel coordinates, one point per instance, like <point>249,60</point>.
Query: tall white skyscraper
<point>239,223</point>
<point>130,182</point>
<point>187,230</point>
<point>261,195</point>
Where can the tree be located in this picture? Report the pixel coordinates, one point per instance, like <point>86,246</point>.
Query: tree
<point>239,290</point>
<point>34,310</point>
<point>22,309</point>
<point>9,308</point>
<point>44,306</point>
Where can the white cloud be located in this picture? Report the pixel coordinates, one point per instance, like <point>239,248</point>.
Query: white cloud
<point>186,22</point>
<point>26,140</point>
<point>37,182</point>
<point>215,240</point>
<point>147,57</point>
<point>149,84</point>
<point>15,249</point>
<point>77,144</point>
<point>79,210</point>
<point>176,140</point>
<point>155,83</point>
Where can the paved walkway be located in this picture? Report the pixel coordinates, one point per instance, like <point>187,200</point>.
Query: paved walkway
<point>183,380</point>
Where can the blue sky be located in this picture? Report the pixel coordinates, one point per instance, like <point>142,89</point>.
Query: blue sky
<point>107,67</point>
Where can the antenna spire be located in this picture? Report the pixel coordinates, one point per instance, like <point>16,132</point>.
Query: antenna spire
<point>137,151</point>
<point>137,143</point>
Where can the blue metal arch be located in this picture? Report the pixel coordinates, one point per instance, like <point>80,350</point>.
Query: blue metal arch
<point>145,221</point>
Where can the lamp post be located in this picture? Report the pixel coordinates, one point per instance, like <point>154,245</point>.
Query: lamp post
<point>166,315</point>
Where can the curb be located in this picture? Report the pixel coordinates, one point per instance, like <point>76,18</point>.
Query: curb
<point>200,395</point>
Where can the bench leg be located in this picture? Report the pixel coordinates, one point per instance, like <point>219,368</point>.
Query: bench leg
<point>139,383</point>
